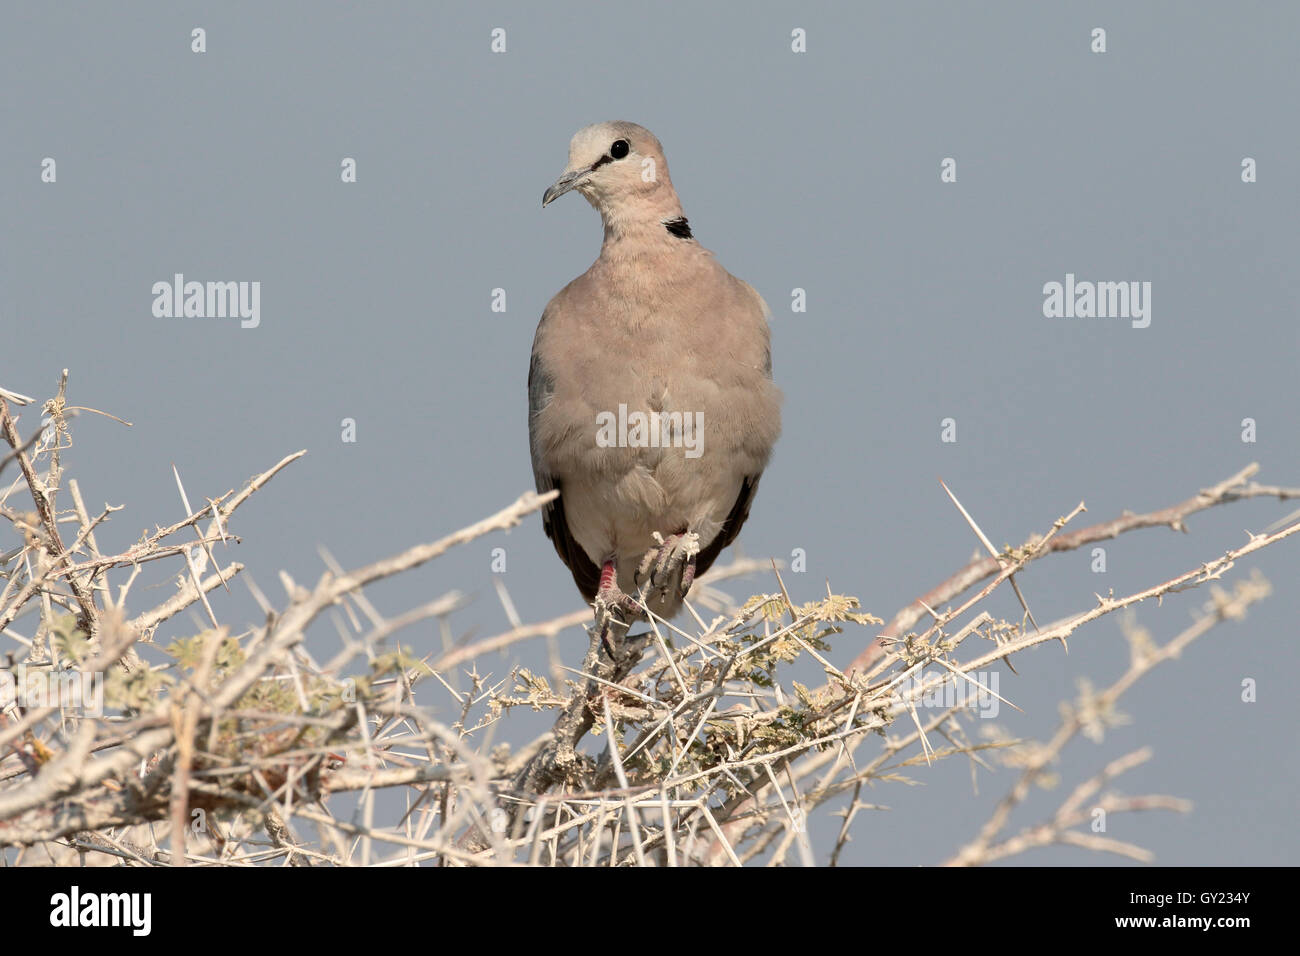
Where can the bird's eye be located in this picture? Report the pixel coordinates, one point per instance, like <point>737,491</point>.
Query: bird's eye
<point>619,149</point>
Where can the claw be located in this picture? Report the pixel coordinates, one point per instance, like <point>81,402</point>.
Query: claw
<point>675,557</point>
<point>688,577</point>
<point>607,636</point>
<point>613,608</point>
<point>615,601</point>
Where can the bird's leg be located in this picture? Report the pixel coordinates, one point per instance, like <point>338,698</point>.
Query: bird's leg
<point>613,607</point>
<point>609,595</point>
<point>675,557</point>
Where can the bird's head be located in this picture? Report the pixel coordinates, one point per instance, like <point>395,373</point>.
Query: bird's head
<point>621,170</point>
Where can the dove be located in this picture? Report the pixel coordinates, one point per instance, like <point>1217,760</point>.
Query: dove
<point>651,403</point>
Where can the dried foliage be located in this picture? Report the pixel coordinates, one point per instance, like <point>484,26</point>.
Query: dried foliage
<point>693,746</point>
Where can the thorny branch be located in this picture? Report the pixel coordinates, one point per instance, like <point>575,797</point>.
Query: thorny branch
<point>693,746</point>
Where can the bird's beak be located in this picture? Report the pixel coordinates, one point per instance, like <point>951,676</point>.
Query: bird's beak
<point>568,181</point>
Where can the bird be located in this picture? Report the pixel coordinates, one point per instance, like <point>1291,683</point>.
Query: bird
<point>651,402</point>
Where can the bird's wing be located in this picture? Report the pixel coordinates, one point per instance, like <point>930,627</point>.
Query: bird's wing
<point>749,486</point>
<point>730,527</point>
<point>541,385</point>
